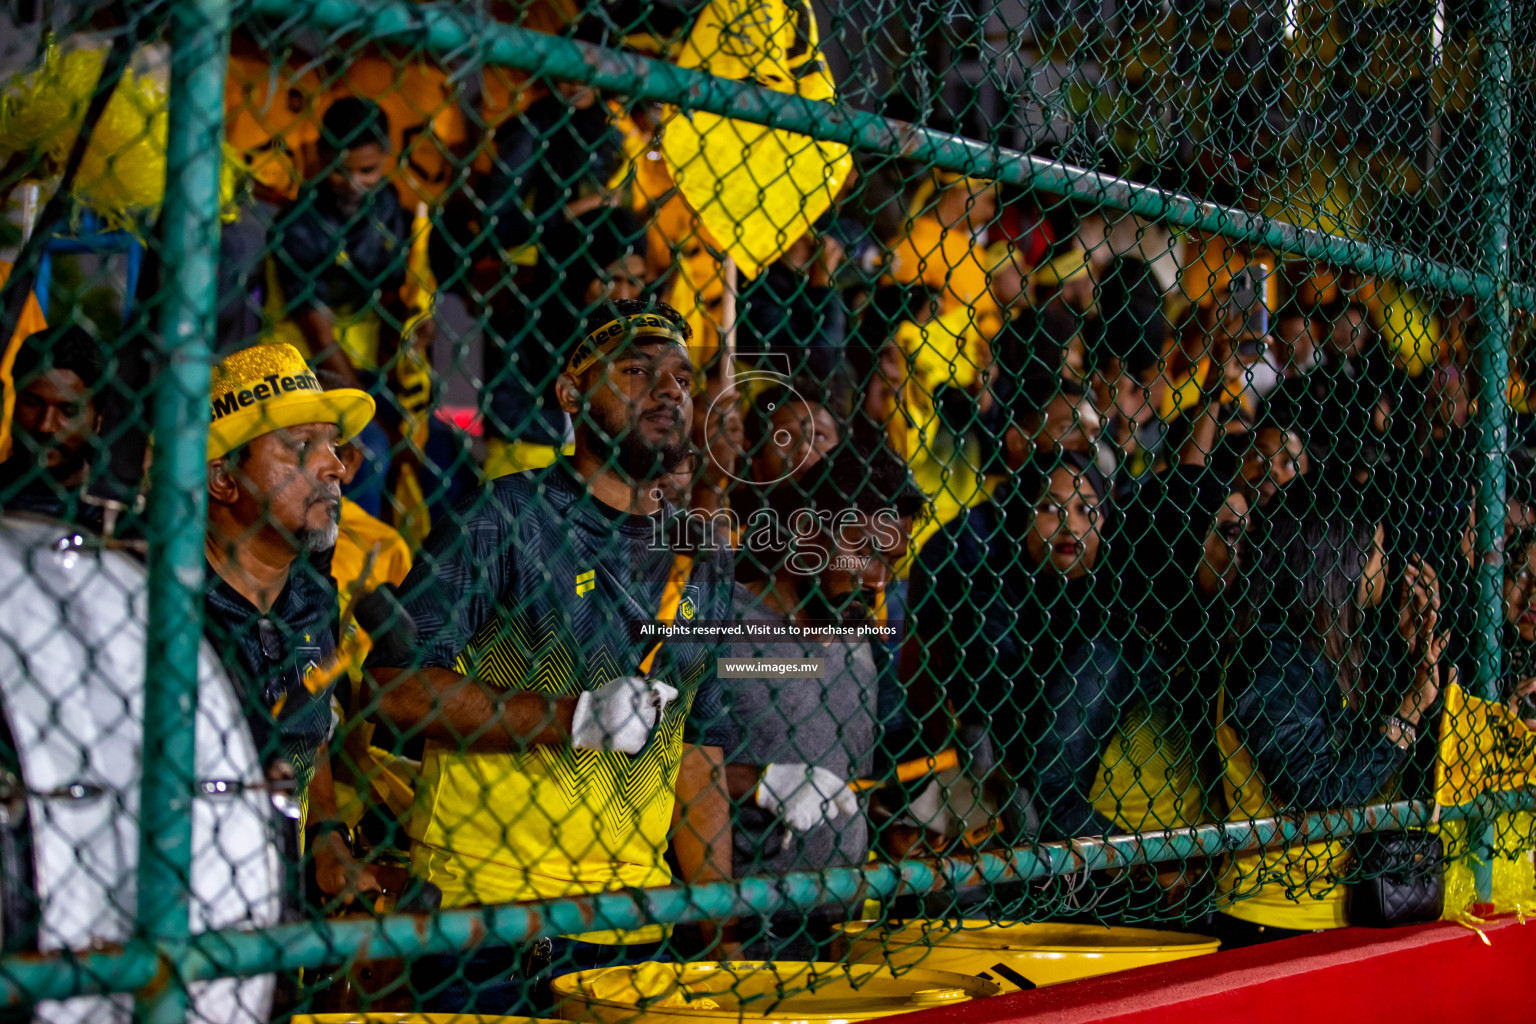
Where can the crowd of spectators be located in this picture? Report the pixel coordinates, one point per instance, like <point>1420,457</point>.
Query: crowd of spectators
<point>1159,544</point>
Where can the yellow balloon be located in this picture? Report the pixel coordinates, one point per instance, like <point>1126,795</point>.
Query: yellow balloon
<point>756,189</point>
<point>43,110</point>
<point>1409,328</point>
<point>123,169</point>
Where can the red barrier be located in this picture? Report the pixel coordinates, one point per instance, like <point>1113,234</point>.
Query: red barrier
<point>1432,973</point>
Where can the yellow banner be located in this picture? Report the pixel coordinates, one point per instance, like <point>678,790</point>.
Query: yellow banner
<point>1483,748</point>
<point>756,189</point>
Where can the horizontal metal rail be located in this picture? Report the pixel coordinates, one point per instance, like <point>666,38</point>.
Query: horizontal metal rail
<point>232,952</point>
<point>458,32</point>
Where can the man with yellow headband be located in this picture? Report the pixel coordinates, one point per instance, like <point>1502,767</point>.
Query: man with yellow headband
<point>274,490</point>
<point>552,757</point>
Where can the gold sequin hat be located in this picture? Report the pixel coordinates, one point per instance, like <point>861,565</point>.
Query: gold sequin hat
<point>266,387</point>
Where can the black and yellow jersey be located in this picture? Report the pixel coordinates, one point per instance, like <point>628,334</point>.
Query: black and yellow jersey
<point>531,584</point>
<point>326,258</point>
<point>1147,778</point>
<point>267,655</point>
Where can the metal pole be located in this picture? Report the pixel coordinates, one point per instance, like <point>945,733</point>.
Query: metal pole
<point>446,30</point>
<point>1493,383</point>
<point>235,953</point>
<point>189,229</point>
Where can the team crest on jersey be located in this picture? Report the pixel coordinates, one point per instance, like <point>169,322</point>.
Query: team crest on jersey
<point>308,657</point>
<point>309,654</point>
<point>586,582</point>
<point>688,607</point>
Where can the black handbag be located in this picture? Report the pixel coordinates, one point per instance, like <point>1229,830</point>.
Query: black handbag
<point>1401,879</point>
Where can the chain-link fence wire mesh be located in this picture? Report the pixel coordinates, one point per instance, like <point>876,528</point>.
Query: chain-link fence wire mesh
<point>607,492</point>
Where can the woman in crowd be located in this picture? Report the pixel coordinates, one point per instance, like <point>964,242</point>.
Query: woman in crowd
<point>1165,590</point>
<point>1299,723</point>
<point>1518,645</point>
<point>1004,597</point>
<point>1520,609</point>
<point>1178,562</point>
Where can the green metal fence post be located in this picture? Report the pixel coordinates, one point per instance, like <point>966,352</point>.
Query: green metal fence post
<point>1493,378</point>
<point>177,497</point>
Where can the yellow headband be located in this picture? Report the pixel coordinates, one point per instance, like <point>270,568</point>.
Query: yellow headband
<point>607,337</point>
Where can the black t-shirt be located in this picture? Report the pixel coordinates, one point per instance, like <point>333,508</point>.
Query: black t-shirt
<point>550,155</point>
<point>532,584</point>
<point>325,257</point>
<point>267,656</point>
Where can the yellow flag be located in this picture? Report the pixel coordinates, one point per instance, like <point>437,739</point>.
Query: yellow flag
<point>1483,748</point>
<point>32,321</point>
<point>756,189</point>
<point>411,382</point>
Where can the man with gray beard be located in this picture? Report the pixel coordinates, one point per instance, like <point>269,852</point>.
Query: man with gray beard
<point>274,496</point>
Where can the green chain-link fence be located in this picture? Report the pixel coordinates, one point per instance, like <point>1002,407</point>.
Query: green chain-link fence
<point>502,490</point>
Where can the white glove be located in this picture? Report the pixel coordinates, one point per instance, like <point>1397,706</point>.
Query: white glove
<point>806,796</point>
<point>929,810</point>
<point>620,714</point>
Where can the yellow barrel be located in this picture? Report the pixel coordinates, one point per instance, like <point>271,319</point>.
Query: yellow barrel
<point>412,1018</point>
<point>777,992</point>
<point>1017,956</point>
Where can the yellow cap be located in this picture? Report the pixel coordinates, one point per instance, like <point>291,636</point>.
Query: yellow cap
<point>267,387</point>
